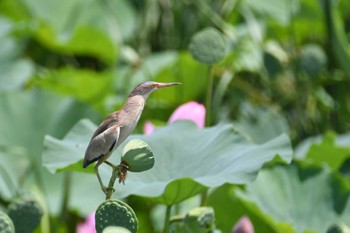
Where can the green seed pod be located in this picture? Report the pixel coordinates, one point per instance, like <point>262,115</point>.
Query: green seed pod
<point>25,214</point>
<point>114,229</point>
<point>137,156</point>
<point>313,60</point>
<point>208,46</point>
<point>115,213</point>
<point>177,224</point>
<point>338,228</point>
<point>6,224</point>
<point>200,220</point>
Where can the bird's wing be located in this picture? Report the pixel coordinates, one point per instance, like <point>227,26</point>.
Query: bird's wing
<point>103,140</point>
<point>108,122</point>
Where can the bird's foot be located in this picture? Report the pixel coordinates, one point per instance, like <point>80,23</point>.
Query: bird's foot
<point>107,190</point>
<point>110,164</point>
<point>104,189</point>
<point>112,190</point>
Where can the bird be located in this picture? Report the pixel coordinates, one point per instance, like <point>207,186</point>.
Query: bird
<point>118,126</point>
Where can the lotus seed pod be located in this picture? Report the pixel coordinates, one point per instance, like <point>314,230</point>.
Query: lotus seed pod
<point>208,46</point>
<point>25,214</point>
<point>313,59</point>
<point>200,220</point>
<point>137,156</point>
<point>338,228</point>
<point>115,230</point>
<point>6,224</point>
<point>177,225</point>
<point>115,213</point>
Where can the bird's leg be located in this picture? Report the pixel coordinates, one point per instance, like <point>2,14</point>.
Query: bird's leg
<point>110,164</point>
<point>104,188</point>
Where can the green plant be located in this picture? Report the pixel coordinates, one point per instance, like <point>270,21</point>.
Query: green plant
<point>338,228</point>
<point>26,214</point>
<point>115,213</point>
<point>262,69</point>
<point>6,224</point>
<point>198,220</point>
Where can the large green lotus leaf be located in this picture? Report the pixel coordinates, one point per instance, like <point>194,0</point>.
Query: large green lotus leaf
<point>25,118</point>
<point>82,27</point>
<point>205,157</point>
<point>281,11</point>
<point>229,209</point>
<point>171,194</point>
<point>260,124</point>
<point>328,152</point>
<point>330,149</point>
<point>14,71</point>
<point>85,85</point>
<point>68,153</point>
<point>305,198</point>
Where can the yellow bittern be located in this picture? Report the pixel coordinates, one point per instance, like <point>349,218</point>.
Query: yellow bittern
<point>118,126</point>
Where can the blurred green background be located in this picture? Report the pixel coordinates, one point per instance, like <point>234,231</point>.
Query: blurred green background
<point>286,69</point>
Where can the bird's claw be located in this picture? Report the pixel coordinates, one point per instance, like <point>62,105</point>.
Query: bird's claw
<point>111,190</point>
<point>107,190</point>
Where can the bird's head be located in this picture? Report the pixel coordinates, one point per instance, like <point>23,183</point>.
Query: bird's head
<point>148,87</point>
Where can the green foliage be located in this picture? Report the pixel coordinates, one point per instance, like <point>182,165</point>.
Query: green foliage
<point>338,228</point>
<point>255,123</point>
<point>229,209</point>
<point>281,66</point>
<point>26,215</point>
<point>115,213</point>
<point>198,220</point>
<point>71,28</point>
<point>328,152</point>
<point>6,224</point>
<point>337,37</point>
<point>35,113</point>
<point>176,174</point>
<point>85,85</point>
<point>291,189</point>
<point>15,70</point>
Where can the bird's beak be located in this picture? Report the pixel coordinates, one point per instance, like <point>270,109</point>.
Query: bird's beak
<point>161,85</point>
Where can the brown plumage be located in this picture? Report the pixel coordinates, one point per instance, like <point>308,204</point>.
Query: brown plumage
<point>118,126</point>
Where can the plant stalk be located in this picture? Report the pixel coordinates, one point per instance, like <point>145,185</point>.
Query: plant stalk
<point>167,219</point>
<point>67,182</point>
<point>115,175</point>
<point>209,108</point>
<point>209,97</point>
<point>204,196</point>
<point>7,179</point>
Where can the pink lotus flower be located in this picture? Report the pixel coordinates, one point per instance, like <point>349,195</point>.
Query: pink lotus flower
<point>88,226</point>
<point>148,128</point>
<point>244,225</point>
<point>192,111</point>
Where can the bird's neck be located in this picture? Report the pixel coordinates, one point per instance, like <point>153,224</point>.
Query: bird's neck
<point>133,108</point>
